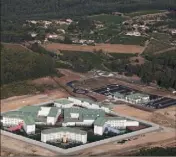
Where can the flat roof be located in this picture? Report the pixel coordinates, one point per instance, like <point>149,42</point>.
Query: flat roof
<point>136,95</point>
<point>26,117</point>
<point>84,114</point>
<point>100,121</point>
<point>33,109</point>
<point>64,129</point>
<point>118,94</point>
<point>53,111</point>
<point>63,101</point>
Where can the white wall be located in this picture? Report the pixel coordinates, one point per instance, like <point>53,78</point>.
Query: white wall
<point>132,123</point>
<point>63,106</point>
<point>98,130</point>
<point>8,121</point>
<point>60,135</point>
<point>53,120</point>
<point>76,101</point>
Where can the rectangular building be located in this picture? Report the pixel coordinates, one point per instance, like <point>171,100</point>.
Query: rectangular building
<point>64,132</point>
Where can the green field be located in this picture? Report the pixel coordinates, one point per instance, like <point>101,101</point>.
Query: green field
<point>145,12</point>
<point>108,19</point>
<point>161,36</point>
<point>128,40</point>
<point>155,46</point>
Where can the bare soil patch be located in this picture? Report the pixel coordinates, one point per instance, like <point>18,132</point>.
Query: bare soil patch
<point>112,48</point>
<point>45,81</point>
<point>23,147</point>
<point>12,104</point>
<point>137,60</point>
<point>147,140</point>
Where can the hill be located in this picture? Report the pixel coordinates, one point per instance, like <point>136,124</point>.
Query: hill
<point>20,64</point>
<point>66,8</point>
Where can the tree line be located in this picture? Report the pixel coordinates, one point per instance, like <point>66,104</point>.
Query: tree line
<point>32,9</point>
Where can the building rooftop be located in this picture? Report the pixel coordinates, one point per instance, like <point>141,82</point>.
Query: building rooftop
<point>64,129</point>
<point>53,111</point>
<point>86,100</point>
<point>100,121</point>
<point>83,114</point>
<point>26,117</point>
<point>63,101</point>
<point>119,95</point>
<point>33,109</point>
<point>136,96</point>
<point>29,120</point>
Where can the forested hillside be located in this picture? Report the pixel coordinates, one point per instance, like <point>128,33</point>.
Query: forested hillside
<point>38,9</point>
<point>21,65</point>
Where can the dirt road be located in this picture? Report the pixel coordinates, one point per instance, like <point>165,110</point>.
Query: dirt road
<point>112,48</point>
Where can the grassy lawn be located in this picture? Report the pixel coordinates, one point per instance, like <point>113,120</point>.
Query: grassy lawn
<point>145,12</point>
<point>107,19</point>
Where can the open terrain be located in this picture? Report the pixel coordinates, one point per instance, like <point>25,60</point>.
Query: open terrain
<point>164,117</point>
<point>17,47</point>
<point>111,48</point>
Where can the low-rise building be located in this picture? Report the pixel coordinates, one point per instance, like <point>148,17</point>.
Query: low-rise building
<point>101,123</point>
<point>137,98</point>
<point>135,33</point>
<point>14,118</point>
<point>64,132</point>
<point>30,116</point>
<point>81,117</point>
<point>63,103</point>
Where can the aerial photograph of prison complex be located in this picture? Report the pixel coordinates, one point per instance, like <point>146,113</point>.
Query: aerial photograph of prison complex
<point>68,122</point>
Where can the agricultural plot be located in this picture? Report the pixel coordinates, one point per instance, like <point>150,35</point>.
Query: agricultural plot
<point>145,12</point>
<point>107,19</point>
<point>15,47</point>
<point>102,35</point>
<point>128,40</point>
<point>155,46</point>
<point>161,36</point>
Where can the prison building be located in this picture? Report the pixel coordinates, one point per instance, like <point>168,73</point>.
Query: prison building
<point>137,98</point>
<point>81,116</point>
<point>63,103</point>
<point>43,115</point>
<point>53,115</point>
<point>30,116</point>
<point>65,134</point>
<point>102,123</point>
<point>14,118</point>
<point>87,103</point>
<point>118,96</point>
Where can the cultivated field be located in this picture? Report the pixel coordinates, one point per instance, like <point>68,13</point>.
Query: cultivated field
<point>111,48</point>
<point>16,47</point>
